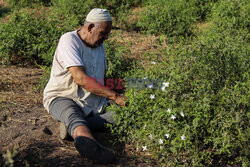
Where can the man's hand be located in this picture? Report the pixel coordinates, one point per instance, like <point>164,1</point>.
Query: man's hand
<point>121,100</point>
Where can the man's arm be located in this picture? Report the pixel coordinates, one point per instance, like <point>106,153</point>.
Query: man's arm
<point>88,83</point>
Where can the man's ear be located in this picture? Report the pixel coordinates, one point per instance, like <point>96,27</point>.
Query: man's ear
<point>90,27</point>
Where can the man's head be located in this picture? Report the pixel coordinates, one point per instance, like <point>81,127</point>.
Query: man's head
<point>97,27</point>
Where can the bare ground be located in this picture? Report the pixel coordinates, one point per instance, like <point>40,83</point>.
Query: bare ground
<point>25,125</point>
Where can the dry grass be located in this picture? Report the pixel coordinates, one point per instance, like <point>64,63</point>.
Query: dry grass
<point>4,3</point>
<point>138,44</point>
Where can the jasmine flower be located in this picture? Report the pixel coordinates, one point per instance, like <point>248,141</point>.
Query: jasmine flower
<point>153,62</point>
<point>163,88</point>
<point>169,110</point>
<point>167,135</point>
<point>144,148</point>
<point>182,114</point>
<point>183,137</point>
<point>165,84</point>
<point>152,97</point>
<point>173,117</point>
<point>150,86</point>
<point>160,141</point>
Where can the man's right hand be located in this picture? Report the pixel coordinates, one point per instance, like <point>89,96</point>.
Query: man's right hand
<point>121,100</point>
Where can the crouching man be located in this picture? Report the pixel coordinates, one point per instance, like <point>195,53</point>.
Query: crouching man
<point>73,95</point>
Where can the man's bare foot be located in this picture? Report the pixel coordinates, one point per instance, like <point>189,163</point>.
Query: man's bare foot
<point>82,131</point>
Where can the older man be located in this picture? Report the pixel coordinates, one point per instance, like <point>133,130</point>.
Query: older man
<point>73,95</point>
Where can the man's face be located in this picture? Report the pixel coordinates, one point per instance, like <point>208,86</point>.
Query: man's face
<point>99,33</point>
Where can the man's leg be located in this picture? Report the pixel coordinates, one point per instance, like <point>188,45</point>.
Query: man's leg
<point>98,121</point>
<point>68,112</point>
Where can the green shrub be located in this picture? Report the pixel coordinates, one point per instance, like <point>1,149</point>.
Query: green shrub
<point>28,38</point>
<point>170,17</point>
<point>74,12</point>
<point>230,14</point>
<point>173,17</point>
<point>28,3</point>
<point>202,118</point>
<point>4,11</point>
<point>117,62</point>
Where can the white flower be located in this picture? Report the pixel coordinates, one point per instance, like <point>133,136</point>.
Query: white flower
<point>144,148</point>
<point>183,137</point>
<point>150,86</point>
<point>160,147</point>
<point>160,141</point>
<point>153,62</point>
<point>182,114</point>
<point>169,110</point>
<point>145,77</point>
<point>152,96</point>
<point>163,88</point>
<point>173,117</point>
<point>167,135</point>
<point>151,136</point>
<point>165,84</point>
<point>144,126</point>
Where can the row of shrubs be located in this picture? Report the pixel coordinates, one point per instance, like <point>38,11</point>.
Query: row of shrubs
<point>174,18</point>
<point>29,36</point>
<point>192,110</point>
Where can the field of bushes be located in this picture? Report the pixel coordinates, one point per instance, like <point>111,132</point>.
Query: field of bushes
<point>188,101</point>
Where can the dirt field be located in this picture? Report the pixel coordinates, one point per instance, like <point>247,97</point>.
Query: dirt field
<point>25,124</point>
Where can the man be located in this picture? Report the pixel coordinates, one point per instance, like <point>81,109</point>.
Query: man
<point>73,95</point>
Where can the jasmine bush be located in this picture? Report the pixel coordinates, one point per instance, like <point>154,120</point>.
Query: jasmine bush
<point>28,3</point>
<point>198,114</point>
<point>173,17</point>
<point>28,38</point>
<point>73,12</point>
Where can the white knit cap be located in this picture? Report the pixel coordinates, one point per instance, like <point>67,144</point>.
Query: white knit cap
<point>98,15</point>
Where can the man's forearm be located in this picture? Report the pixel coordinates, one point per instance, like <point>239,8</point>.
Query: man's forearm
<point>98,89</point>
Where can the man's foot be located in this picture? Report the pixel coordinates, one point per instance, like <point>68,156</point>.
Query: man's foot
<point>91,149</point>
<point>63,131</point>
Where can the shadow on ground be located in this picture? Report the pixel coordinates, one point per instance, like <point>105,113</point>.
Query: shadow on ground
<point>63,153</point>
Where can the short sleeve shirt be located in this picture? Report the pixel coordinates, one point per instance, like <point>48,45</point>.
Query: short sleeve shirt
<point>71,51</point>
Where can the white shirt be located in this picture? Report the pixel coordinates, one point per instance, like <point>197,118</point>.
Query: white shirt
<point>71,51</point>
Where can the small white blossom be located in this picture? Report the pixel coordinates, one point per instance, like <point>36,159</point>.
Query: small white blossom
<point>167,135</point>
<point>152,96</point>
<point>160,147</point>
<point>144,148</point>
<point>150,86</point>
<point>173,117</point>
<point>163,88</point>
<point>165,84</point>
<point>150,136</point>
<point>183,137</point>
<point>153,62</point>
<point>182,114</point>
<point>160,141</point>
<point>144,126</point>
<point>145,77</point>
<point>169,110</point>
